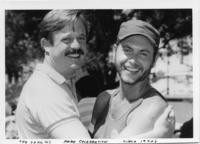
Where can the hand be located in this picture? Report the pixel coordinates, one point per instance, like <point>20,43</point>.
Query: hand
<point>165,125</point>
<point>114,134</point>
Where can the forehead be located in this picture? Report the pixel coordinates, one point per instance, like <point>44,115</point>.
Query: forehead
<point>73,26</point>
<point>137,40</point>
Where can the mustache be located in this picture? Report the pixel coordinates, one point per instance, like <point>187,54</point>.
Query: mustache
<point>74,51</point>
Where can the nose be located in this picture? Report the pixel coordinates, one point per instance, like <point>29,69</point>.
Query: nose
<point>133,61</point>
<point>75,44</point>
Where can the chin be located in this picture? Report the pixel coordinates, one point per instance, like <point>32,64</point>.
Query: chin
<point>75,66</point>
<point>127,79</point>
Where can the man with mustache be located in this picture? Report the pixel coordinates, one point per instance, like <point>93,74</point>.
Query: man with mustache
<point>47,105</point>
<point>134,55</point>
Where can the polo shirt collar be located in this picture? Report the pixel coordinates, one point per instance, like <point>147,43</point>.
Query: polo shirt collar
<point>52,73</point>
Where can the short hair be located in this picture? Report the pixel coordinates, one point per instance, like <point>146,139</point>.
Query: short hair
<point>56,20</point>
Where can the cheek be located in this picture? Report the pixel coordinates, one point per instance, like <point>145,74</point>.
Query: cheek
<point>84,48</point>
<point>59,50</point>
<point>120,58</point>
<point>147,65</point>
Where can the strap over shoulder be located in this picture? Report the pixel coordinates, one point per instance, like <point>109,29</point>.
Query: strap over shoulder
<point>100,110</point>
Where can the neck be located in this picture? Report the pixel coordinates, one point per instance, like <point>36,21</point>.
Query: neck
<point>134,91</point>
<point>65,74</point>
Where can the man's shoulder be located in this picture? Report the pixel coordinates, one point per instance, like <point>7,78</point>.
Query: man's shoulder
<point>154,101</point>
<point>39,88</point>
<point>153,105</point>
<point>39,81</point>
<point>103,99</point>
<point>150,108</point>
<point>36,79</point>
<point>105,95</point>
<point>108,92</point>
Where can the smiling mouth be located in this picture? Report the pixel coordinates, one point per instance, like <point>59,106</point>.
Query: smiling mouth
<point>74,53</point>
<point>75,56</point>
<point>131,69</point>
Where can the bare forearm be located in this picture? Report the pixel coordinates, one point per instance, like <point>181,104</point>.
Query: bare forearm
<point>149,134</point>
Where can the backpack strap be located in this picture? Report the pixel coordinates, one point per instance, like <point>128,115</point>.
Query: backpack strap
<point>151,92</point>
<point>100,111</point>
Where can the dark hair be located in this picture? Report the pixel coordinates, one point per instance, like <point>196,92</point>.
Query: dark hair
<point>56,20</point>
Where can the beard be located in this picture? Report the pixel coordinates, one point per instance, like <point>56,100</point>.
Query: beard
<point>130,78</point>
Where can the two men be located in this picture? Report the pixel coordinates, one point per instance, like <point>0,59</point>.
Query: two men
<point>47,106</point>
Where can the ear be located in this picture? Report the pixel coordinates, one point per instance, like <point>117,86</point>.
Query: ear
<point>46,45</point>
<point>156,57</point>
<point>114,49</point>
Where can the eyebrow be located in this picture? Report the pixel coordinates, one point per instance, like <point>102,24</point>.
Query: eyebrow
<point>67,36</point>
<point>145,51</point>
<point>82,34</point>
<point>142,50</point>
<point>126,45</point>
<point>70,35</point>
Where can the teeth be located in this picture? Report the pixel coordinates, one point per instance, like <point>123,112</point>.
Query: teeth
<point>74,55</point>
<point>132,69</point>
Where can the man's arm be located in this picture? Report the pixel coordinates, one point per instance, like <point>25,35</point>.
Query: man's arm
<point>58,115</point>
<point>71,130</point>
<point>143,118</point>
<point>163,128</point>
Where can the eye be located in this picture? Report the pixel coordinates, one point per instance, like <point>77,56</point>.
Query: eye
<point>127,50</point>
<point>144,54</point>
<point>67,40</point>
<point>82,38</point>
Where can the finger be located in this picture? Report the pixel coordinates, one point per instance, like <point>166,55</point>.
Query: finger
<point>167,112</point>
<point>171,117</point>
<point>171,114</point>
<point>114,133</point>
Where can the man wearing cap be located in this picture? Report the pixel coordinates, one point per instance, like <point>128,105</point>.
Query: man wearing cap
<point>135,103</point>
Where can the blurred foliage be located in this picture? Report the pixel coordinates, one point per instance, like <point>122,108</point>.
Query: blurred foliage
<point>22,43</point>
